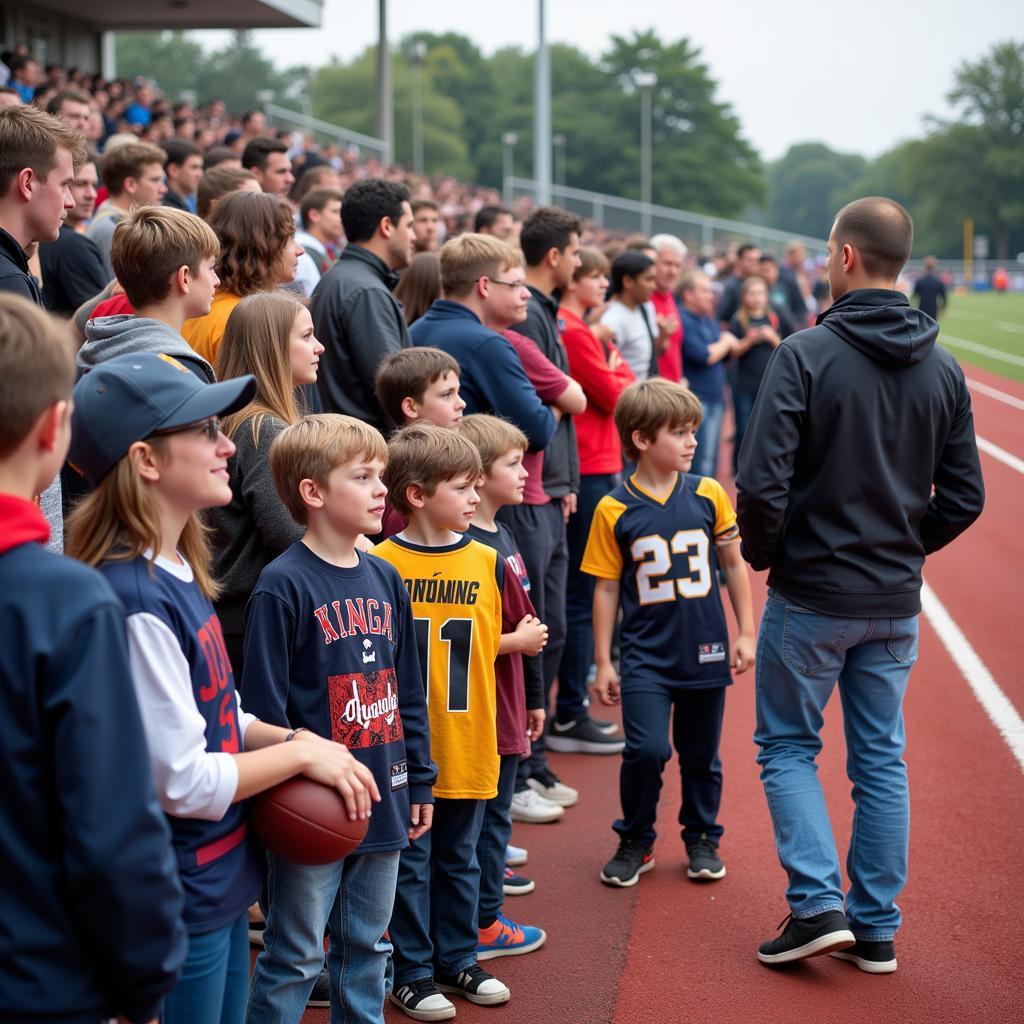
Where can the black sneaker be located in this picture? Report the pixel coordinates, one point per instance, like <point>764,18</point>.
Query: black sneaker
<point>476,985</point>
<point>871,957</point>
<point>608,728</point>
<point>705,864</point>
<point>631,860</point>
<point>321,994</point>
<point>582,737</point>
<point>804,937</point>
<point>421,1000</point>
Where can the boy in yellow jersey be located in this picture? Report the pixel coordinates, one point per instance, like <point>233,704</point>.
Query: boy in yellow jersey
<point>655,543</point>
<point>463,595</point>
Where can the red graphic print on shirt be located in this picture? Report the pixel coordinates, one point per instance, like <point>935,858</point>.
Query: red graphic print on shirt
<point>364,709</point>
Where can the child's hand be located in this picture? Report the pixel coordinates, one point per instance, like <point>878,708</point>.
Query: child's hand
<point>422,817</point>
<point>743,653</point>
<point>335,766</point>
<point>532,634</point>
<point>606,685</point>
<point>535,723</point>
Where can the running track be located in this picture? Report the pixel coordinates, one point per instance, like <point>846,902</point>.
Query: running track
<point>673,951</point>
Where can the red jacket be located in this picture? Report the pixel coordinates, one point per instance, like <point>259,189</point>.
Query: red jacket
<point>604,375</point>
<point>670,362</point>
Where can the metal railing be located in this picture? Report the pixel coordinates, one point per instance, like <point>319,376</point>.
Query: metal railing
<point>700,231</point>
<point>305,122</point>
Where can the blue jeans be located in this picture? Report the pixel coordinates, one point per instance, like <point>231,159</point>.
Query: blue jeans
<point>354,896</point>
<point>433,927</point>
<point>495,833</point>
<point>571,703</point>
<point>215,979</point>
<point>705,462</point>
<point>800,656</point>
<point>743,406</point>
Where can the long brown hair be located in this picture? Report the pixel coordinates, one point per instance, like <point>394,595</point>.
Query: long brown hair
<point>743,314</point>
<point>253,228</point>
<point>419,286</point>
<point>257,341</point>
<point>119,521</point>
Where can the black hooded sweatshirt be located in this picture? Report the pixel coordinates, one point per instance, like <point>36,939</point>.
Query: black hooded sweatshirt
<point>856,421</point>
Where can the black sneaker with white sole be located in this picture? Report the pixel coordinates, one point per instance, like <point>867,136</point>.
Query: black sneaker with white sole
<point>603,725</point>
<point>582,737</point>
<point>805,937</point>
<point>422,1000</point>
<point>321,994</point>
<point>631,860</point>
<point>870,957</point>
<point>705,864</point>
<point>476,985</point>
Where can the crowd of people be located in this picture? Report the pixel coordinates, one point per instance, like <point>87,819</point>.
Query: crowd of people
<point>409,473</point>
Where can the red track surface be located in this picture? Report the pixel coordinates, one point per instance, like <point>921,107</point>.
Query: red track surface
<point>670,950</point>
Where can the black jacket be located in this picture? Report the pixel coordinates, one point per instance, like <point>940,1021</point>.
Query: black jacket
<point>856,420</point>
<point>359,322</point>
<point>14,275</point>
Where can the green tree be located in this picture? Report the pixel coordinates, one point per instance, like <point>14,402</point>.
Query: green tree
<point>808,184</point>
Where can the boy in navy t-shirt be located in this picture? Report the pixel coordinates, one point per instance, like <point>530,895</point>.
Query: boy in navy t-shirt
<point>330,646</point>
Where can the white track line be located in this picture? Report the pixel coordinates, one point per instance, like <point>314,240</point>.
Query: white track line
<point>998,453</point>
<point>999,396</point>
<point>973,346</point>
<point>996,704</point>
<point>1003,325</point>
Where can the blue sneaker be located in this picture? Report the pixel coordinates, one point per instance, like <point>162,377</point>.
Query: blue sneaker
<point>505,938</point>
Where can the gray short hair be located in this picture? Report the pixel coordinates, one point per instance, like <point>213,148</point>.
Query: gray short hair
<point>659,242</point>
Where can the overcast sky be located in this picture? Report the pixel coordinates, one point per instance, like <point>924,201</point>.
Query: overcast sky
<point>859,76</point>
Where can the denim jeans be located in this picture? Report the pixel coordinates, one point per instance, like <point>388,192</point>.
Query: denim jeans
<point>433,927</point>
<point>215,979</point>
<point>743,406</point>
<point>571,703</point>
<point>709,433</point>
<point>355,897</point>
<point>494,836</point>
<point>801,655</point>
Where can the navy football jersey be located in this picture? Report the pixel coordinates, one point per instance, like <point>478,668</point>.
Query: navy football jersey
<point>662,550</point>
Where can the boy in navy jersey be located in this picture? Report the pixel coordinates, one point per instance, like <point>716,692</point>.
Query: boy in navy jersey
<point>520,686</point>
<point>656,543</point>
<point>330,647</point>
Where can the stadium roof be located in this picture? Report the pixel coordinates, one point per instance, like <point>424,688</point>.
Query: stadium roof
<point>125,15</point>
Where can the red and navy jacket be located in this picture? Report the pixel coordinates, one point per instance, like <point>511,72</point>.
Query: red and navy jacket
<point>217,863</point>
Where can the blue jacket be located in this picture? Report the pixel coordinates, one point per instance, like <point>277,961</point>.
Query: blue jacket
<point>492,377</point>
<point>89,887</point>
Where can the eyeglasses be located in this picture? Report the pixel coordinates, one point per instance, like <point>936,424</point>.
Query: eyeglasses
<point>507,284</point>
<point>210,429</point>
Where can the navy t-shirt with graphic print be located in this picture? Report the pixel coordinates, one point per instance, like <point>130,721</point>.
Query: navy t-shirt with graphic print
<point>333,650</point>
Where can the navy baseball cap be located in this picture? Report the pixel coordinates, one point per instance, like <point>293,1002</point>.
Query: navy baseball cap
<point>130,397</point>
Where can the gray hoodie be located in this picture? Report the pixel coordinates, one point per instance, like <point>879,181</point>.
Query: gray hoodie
<point>109,336</point>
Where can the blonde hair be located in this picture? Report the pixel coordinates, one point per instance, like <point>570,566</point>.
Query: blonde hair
<point>743,314</point>
<point>30,138</point>
<point>257,340</point>
<point>649,405</point>
<point>492,436</point>
<point>469,257</point>
<point>151,244</point>
<point>120,520</point>
<point>408,373</point>
<point>427,455</point>
<point>312,447</point>
<point>37,367</point>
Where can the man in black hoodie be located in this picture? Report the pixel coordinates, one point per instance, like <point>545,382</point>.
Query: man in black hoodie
<point>857,420</point>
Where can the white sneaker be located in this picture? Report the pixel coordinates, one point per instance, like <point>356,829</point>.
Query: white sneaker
<point>515,856</point>
<point>529,806</point>
<point>549,786</point>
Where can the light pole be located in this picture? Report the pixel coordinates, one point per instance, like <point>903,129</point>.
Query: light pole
<point>508,144</point>
<point>419,55</point>
<point>645,81</point>
<point>542,111</point>
<point>385,109</point>
<point>558,142</point>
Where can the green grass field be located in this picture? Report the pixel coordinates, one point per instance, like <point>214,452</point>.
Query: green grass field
<point>986,330</point>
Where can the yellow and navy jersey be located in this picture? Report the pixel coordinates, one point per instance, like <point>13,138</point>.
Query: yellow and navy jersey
<point>662,550</point>
<point>456,597</point>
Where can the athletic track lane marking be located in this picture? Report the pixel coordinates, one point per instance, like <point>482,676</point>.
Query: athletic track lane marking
<point>996,704</point>
<point>973,346</point>
<point>999,396</point>
<point>1001,454</point>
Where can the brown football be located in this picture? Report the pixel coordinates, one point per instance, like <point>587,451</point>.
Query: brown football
<point>305,822</point>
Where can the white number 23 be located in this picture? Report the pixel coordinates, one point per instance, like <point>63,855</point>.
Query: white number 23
<point>655,555</point>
